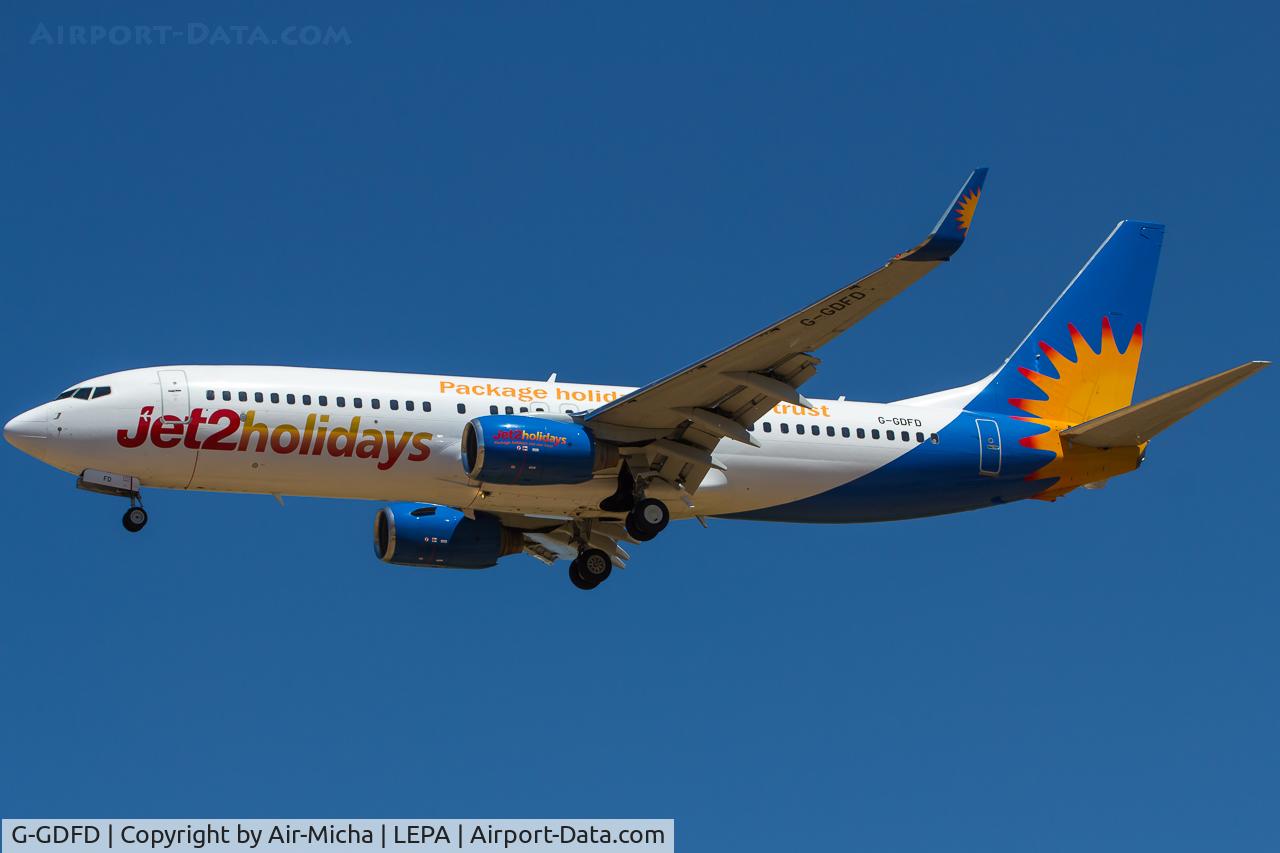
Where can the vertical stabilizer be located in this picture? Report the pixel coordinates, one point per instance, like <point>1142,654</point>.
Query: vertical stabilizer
<point>1081,360</point>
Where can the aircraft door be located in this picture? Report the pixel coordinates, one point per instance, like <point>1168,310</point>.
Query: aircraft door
<point>988,447</point>
<point>175,401</point>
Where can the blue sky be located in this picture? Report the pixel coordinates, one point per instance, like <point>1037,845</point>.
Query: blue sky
<point>610,192</point>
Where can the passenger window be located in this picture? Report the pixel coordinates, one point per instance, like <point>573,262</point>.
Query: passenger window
<point>275,397</point>
<point>226,395</point>
<point>341,401</point>
<point>257,396</point>
<point>888,435</point>
<point>862,433</point>
<point>906,436</point>
<point>799,429</point>
<point>844,432</point>
<point>408,405</point>
<point>306,399</point>
<point>290,399</point>
<point>244,396</point>
<point>462,408</point>
<point>875,433</point>
<point>323,400</point>
<point>101,391</point>
<point>933,436</point>
<point>511,410</point>
<point>919,438</point>
<point>767,427</point>
<point>784,428</point>
<point>493,410</point>
<point>375,403</point>
<point>524,410</point>
<point>82,393</point>
<point>831,431</point>
<point>426,405</point>
<point>208,395</point>
<point>357,402</point>
<point>815,429</point>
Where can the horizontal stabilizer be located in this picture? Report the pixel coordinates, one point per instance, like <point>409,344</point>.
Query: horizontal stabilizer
<point>1133,425</point>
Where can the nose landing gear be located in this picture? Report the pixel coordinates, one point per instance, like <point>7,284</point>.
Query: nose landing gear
<point>120,486</point>
<point>135,518</point>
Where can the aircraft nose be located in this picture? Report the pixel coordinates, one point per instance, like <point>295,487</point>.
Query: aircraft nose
<point>27,429</point>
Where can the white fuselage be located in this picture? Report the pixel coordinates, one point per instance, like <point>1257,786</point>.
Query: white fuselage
<point>396,437</point>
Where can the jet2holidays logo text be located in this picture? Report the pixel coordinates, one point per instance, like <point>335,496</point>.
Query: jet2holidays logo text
<point>231,432</point>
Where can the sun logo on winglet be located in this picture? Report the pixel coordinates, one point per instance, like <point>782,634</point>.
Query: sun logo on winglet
<point>965,209</point>
<point>1088,385</point>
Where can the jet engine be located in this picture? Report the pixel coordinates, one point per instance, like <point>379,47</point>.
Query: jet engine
<point>410,534</point>
<point>518,450</point>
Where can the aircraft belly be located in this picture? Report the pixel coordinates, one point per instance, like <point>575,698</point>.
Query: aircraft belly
<point>754,480</point>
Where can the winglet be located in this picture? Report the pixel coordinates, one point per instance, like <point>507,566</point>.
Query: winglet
<point>948,235</point>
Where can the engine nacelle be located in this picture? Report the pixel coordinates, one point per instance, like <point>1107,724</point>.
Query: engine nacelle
<point>428,535</point>
<point>518,450</point>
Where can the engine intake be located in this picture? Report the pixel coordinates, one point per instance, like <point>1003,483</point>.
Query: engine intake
<point>515,450</point>
<point>410,534</point>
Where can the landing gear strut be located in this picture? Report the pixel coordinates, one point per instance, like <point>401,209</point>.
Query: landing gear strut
<point>590,569</point>
<point>647,519</point>
<point>135,518</point>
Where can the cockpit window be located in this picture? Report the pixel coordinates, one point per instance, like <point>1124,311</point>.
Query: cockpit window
<point>65,394</point>
<point>101,391</point>
<point>82,393</point>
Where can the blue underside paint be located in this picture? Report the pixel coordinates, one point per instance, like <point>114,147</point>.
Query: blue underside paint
<point>1113,289</point>
<point>927,480</point>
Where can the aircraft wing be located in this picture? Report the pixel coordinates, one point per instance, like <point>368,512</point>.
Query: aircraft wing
<point>673,424</point>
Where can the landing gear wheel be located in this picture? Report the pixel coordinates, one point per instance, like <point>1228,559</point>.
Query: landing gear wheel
<point>591,569</point>
<point>135,518</point>
<point>647,520</point>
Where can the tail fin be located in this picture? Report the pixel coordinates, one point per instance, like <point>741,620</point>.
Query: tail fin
<point>1081,359</point>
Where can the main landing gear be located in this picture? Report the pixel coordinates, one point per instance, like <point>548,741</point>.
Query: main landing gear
<point>590,569</point>
<point>647,519</point>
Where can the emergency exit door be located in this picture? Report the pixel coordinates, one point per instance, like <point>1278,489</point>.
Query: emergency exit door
<point>174,399</point>
<point>988,447</point>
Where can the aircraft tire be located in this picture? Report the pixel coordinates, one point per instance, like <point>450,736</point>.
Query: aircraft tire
<point>591,569</point>
<point>648,519</point>
<point>135,518</point>
<point>577,578</point>
<point>636,533</point>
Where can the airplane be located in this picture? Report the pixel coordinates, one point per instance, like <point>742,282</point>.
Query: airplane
<point>473,470</point>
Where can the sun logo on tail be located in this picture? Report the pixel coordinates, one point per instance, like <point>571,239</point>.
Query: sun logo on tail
<point>1088,385</point>
<point>965,209</point>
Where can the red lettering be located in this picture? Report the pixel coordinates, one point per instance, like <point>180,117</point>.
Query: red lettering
<point>421,450</point>
<point>394,449</point>
<point>216,441</point>
<point>144,427</point>
<point>167,431</point>
<point>189,440</point>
